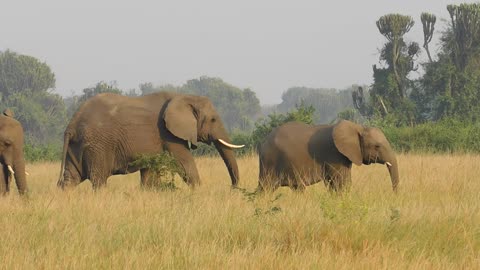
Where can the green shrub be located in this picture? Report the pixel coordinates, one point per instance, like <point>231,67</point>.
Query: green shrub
<point>446,136</point>
<point>162,166</point>
<point>48,152</point>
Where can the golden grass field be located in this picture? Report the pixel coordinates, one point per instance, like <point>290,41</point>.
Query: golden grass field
<point>433,223</point>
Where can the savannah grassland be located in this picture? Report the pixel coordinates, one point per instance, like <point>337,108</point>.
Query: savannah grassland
<point>433,223</point>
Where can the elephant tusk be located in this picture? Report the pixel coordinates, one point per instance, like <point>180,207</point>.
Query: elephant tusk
<point>388,164</point>
<point>27,173</point>
<point>10,169</point>
<point>230,145</point>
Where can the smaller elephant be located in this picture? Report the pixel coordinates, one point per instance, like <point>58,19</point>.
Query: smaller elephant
<point>12,162</point>
<point>298,155</point>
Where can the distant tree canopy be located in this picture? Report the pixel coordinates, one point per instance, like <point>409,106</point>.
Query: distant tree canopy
<point>327,103</point>
<point>238,108</point>
<point>22,72</point>
<point>25,85</point>
<point>450,86</point>
<point>389,92</point>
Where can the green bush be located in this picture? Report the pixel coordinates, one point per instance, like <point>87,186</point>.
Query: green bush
<point>446,136</point>
<point>162,167</point>
<point>48,152</point>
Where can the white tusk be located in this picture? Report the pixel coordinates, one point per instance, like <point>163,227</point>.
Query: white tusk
<point>10,169</point>
<point>388,164</point>
<point>27,173</point>
<point>230,145</point>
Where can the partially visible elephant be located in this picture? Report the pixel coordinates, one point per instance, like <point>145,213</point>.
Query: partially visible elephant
<point>298,155</point>
<point>109,131</point>
<point>12,161</point>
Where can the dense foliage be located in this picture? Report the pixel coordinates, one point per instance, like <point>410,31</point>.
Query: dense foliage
<point>25,88</point>
<point>450,85</point>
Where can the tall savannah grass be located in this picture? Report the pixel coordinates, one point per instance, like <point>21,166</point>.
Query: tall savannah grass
<point>433,223</point>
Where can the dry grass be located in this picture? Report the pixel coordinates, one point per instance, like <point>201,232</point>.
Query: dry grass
<point>433,223</point>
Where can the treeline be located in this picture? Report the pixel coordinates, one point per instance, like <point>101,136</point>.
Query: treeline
<point>437,111</point>
<point>450,84</point>
<point>27,87</point>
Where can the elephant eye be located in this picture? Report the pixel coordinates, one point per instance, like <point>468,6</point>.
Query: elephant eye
<point>377,146</point>
<point>214,119</point>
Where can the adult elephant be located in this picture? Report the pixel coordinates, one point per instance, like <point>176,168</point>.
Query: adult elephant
<point>298,155</point>
<point>109,131</point>
<point>12,162</point>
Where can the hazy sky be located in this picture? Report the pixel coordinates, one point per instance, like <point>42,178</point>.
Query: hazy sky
<point>267,46</point>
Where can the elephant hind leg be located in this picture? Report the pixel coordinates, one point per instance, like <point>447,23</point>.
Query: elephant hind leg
<point>268,179</point>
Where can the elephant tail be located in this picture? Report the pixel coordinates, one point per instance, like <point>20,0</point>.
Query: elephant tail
<point>66,141</point>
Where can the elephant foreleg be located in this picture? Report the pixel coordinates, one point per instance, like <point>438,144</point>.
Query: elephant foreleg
<point>185,159</point>
<point>338,178</point>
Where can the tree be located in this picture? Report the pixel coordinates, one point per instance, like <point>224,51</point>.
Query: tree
<point>21,72</point>
<point>25,85</point>
<point>465,23</point>
<point>393,27</point>
<point>451,85</point>
<point>428,22</point>
<point>389,93</point>
<point>43,115</point>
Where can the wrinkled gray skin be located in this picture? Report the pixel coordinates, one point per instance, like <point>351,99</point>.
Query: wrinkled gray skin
<point>298,155</point>
<point>109,131</point>
<point>11,153</point>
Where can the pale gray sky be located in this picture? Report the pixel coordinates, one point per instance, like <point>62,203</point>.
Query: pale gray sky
<point>267,46</point>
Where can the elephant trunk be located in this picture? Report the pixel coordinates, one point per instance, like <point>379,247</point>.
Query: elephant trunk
<point>228,157</point>
<point>20,175</point>
<point>392,166</point>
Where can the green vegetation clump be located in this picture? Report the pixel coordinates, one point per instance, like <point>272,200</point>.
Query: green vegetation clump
<point>449,135</point>
<point>162,170</point>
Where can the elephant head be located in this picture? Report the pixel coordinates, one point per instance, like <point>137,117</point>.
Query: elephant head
<point>12,162</point>
<point>365,145</point>
<point>194,119</point>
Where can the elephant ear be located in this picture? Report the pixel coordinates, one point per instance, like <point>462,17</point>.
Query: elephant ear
<point>8,112</point>
<point>180,119</point>
<point>346,136</point>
